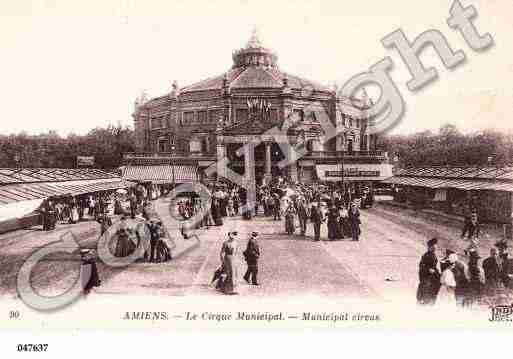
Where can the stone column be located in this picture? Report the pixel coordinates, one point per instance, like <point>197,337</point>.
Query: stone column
<point>340,142</point>
<point>292,157</point>
<point>249,174</point>
<point>267,167</point>
<point>221,164</point>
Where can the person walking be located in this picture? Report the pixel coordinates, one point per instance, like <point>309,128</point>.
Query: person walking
<point>429,275</point>
<point>88,270</point>
<point>252,255</point>
<point>154,238</point>
<point>316,218</point>
<point>473,230</point>
<point>228,254</point>
<point>354,220</point>
<point>492,267</point>
<point>302,214</point>
<point>290,211</point>
<point>446,293</point>
<point>476,278</point>
<point>461,276</point>
<point>92,206</point>
<point>332,223</point>
<point>276,207</point>
<point>507,264</point>
<point>343,223</point>
<point>124,245</point>
<point>216,212</point>
<point>133,206</point>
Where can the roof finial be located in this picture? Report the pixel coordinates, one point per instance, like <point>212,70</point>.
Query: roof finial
<point>367,100</point>
<point>254,41</point>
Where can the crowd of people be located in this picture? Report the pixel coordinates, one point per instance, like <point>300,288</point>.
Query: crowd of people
<point>318,204</point>
<point>127,238</point>
<point>450,281</point>
<point>73,209</point>
<point>298,204</point>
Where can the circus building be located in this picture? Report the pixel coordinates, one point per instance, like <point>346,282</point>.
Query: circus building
<point>180,134</point>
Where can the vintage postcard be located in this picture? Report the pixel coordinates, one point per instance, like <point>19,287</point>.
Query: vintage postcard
<point>211,165</point>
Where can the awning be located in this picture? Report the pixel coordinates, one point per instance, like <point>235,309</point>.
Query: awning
<point>161,174</point>
<point>19,209</point>
<point>31,191</point>
<point>462,184</point>
<point>354,172</point>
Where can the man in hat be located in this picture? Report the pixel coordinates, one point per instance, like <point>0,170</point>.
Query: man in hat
<point>476,278</point>
<point>276,207</point>
<point>492,267</point>
<point>354,220</point>
<point>507,264</point>
<point>252,254</point>
<point>429,275</point>
<point>316,218</point>
<point>154,238</point>
<point>302,214</point>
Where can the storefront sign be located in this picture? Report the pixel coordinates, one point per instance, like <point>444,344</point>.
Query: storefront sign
<point>352,172</point>
<point>85,161</point>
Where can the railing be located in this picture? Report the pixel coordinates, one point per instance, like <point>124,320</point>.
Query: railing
<point>349,154</point>
<point>130,155</point>
<point>311,154</point>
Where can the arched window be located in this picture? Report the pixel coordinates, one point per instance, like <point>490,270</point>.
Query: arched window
<point>309,145</point>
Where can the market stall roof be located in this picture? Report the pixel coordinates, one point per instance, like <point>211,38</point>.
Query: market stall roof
<point>464,178</point>
<point>35,175</point>
<point>29,191</point>
<point>161,174</point>
<point>458,172</point>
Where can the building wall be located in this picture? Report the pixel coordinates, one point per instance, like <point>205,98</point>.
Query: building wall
<point>177,118</point>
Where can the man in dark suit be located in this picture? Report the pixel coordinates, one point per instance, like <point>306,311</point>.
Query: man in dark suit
<point>316,218</point>
<point>492,267</point>
<point>429,275</point>
<point>354,220</point>
<point>507,264</point>
<point>302,214</point>
<point>252,254</point>
<point>276,207</point>
<point>154,238</point>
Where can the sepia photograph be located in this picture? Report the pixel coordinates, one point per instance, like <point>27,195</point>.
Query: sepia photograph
<point>250,164</point>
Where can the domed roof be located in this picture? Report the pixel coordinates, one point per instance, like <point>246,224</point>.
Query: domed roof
<point>254,66</point>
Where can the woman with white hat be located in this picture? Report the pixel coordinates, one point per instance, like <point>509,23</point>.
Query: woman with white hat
<point>446,295</point>
<point>228,254</point>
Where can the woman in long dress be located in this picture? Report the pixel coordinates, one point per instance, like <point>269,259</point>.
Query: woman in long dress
<point>125,246</point>
<point>88,270</point>
<point>163,253</point>
<point>342,222</point>
<point>446,295</point>
<point>332,223</point>
<point>289,218</point>
<point>216,213</point>
<point>228,255</point>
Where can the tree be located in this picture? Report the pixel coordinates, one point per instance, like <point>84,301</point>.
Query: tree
<point>51,150</point>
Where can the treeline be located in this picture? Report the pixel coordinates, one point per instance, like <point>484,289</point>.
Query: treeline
<point>51,150</point>
<point>450,147</point>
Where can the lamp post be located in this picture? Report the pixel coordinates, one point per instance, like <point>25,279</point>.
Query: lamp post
<point>173,163</point>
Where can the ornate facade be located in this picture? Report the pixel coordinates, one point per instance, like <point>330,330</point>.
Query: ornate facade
<point>255,101</point>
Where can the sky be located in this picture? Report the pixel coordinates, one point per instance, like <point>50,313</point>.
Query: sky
<point>70,66</point>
